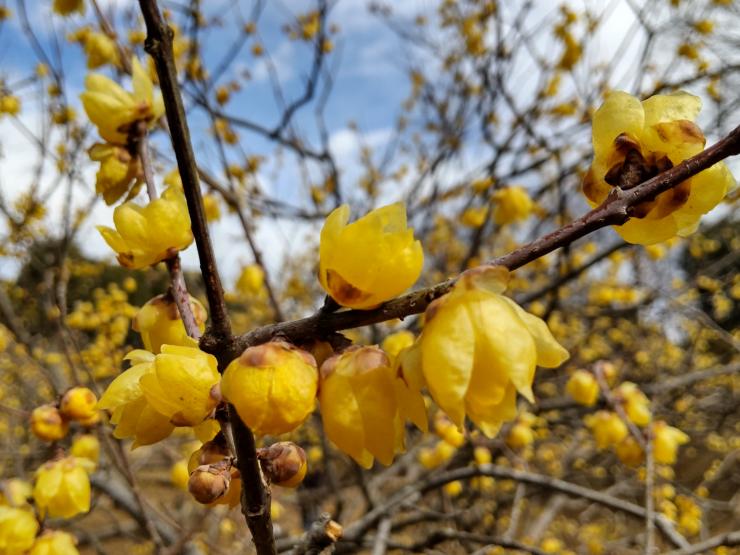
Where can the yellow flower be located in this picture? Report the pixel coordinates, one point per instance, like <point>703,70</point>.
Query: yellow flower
<point>66,7</point>
<point>47,423</point>
<point>630,452</point>
<point>159,323</point>
<point>180,386</point>
<point>666,441</point>
<point>636,405</point>
<point>273,387</point>
<point>131,413</point>
<point>607,428</point>
<point>55,542</point>
<point>211,207</point>
<point>584,389</point>
<point>18,529</point>
<point>179,475</point>
<point>368,261</point>
<point>512,204</point>
<point>482,455</point>
<point>119,172</point>
<point>10,104</point>
<point>478,348</point>
<point>100,50</point>
<point>15,492</point>
<point>62,488</point>
<point>86,446</point>
<point>520,435</point>
<point>114,111</point>
<point>145,235</point>
<point>634,141</point>
<point>396,342</point>
<point>358,405</point>
<point>251,280</point>
<point>78,403</point>
<point>475,216</point>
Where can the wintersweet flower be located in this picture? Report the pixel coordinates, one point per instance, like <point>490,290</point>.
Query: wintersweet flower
<point>272,386</point>
<point>666,441</point>
<point>55,542</point>
<point>358,405</point>
<point>86,446</point>
<point>132,415</point>
<point>634,141</point>
<point>629,452</point>
<point>636,404</point>
<point>607,428</point>
<point>181,384</point>
<point>371,260</point>
<point>100,50</point>
<point>67,7</point>
<point>47,423</point>
<point>145,235</point>
<point>119,172</point>
<point>10,104</point>
<point>252,280</point>
<point>15,492</point>
<point>62,488</point>
<point>159,323</point>
<point>18,529</point>
<point>511,204</point>
<point>78,403</point>
<point>583,387</point>
<point>114,111</point>
<point>479,348</point>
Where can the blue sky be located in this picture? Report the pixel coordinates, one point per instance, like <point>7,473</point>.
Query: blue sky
<point>369,65</point>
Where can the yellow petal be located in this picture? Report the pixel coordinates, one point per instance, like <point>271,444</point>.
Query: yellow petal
<point>448,350</point>
<point>620,113</point>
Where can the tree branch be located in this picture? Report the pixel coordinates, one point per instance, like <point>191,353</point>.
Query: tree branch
<point>615,210</point>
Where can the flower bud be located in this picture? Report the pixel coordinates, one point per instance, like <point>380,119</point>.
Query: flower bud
<point>273,387</point>
<point>55,542</point>
<point>18,529</point>
<point>284,463</point>
<point>47,423</point>
<point>584,389</point>
<point>209,482</point>
<point>210,452</point>
<point>78,403</point>
<point>159,323</point>
<point>87,447</point>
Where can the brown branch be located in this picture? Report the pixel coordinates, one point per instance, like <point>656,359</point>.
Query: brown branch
<point>159,46</point>
<point>255,496</point>
<point>726,539</point>
<point>357,529</point>
<point>182,297</point>
<point>615,210</point>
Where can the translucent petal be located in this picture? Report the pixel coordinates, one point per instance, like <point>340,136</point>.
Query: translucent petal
<point>620,113</point>
<point>550,353</point>
<point>448,352</point>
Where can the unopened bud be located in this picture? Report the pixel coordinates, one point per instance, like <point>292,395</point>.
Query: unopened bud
<point>47,423</point>
<point>78,403</point>
<point>211,452</point>
<point>284,463</point>
<point>209,482</point>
